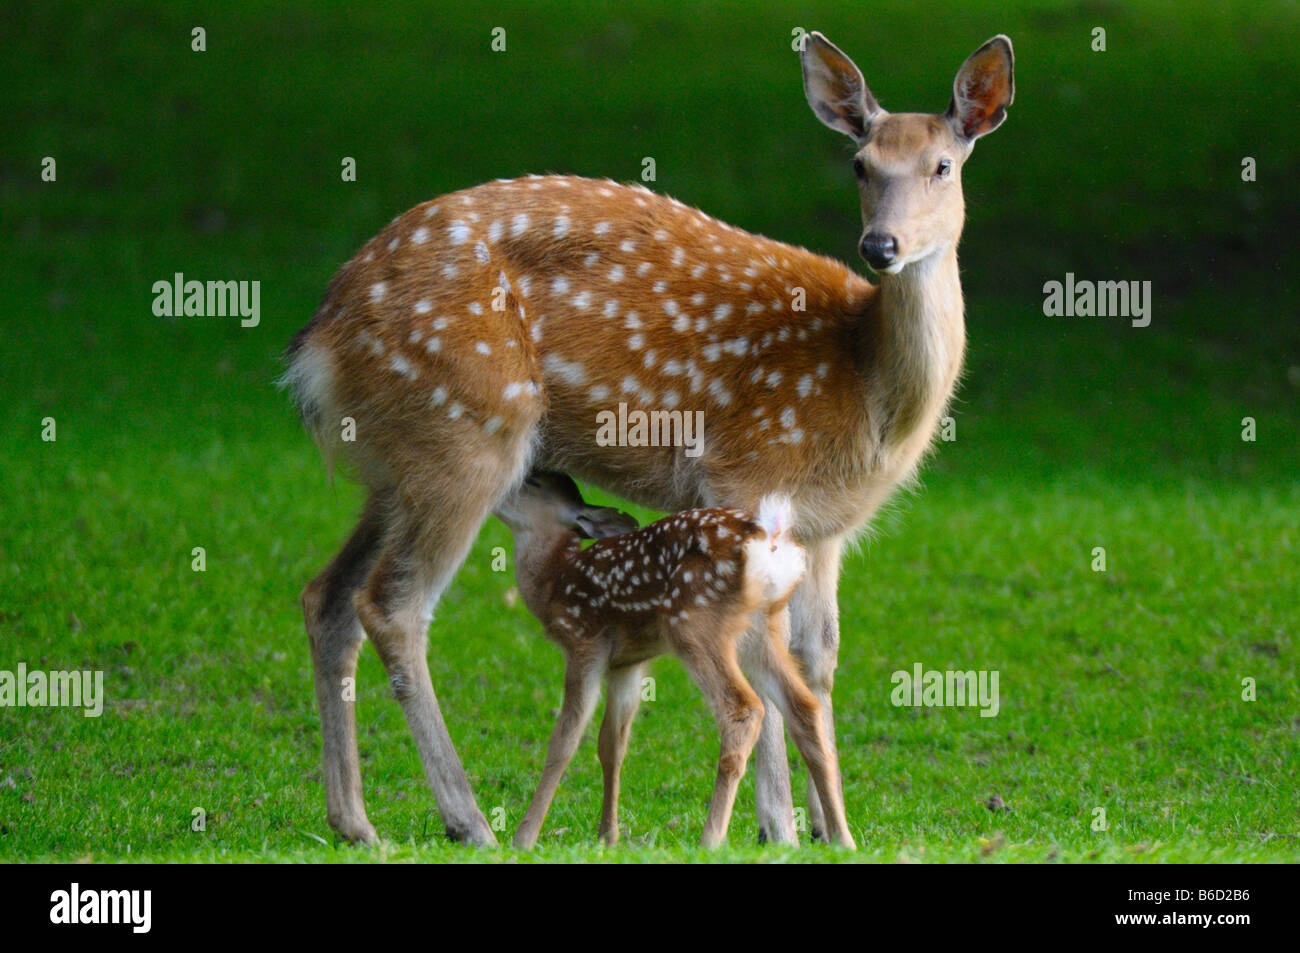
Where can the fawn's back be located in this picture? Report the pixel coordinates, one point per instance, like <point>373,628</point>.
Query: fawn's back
<point>631,588</point>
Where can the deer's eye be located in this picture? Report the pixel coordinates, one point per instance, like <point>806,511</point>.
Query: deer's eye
<point>859,167</point>
<point>945,167</point>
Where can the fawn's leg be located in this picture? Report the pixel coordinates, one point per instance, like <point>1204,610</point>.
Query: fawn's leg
<point>335,635</point>
<point>707,647</point>
<point>774,802</point>
<point>622,698</point>
<point>815,642</point>
<point>582,675</point>
<point>778,678</point>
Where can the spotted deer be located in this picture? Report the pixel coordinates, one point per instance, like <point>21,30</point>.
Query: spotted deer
<point>480,334</point>
<point>690,584</point>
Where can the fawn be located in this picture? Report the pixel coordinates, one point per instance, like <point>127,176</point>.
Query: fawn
<point>479,335</point>
<point>689,584</point>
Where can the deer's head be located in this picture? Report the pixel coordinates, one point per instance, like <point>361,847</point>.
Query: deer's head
<point>908,165</point>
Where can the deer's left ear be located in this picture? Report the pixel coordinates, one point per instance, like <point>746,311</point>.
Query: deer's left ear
<point>599,522</point>
<point>984,88</point>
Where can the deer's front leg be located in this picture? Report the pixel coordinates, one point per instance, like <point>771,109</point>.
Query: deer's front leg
<point>582,676</point>
<point>815,642</point>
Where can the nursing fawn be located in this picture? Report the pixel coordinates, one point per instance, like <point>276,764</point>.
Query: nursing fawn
<point>692,585</point>
<point>482,335</point>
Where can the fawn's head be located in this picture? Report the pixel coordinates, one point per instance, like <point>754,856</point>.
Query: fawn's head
<point>908,165</point>
<point>548,501</point>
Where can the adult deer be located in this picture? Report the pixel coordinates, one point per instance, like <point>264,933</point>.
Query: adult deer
<point>480,334</point>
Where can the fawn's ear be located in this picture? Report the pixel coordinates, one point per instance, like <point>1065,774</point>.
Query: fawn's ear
<point>599,522</point>
<point>984,88</point>
<point>835,88</point>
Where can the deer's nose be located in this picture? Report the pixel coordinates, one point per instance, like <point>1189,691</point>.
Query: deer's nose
<point>879,249</point>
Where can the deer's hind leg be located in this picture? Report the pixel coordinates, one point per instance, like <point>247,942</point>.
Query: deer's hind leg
<point>706,644</point>
<point>449,485</point>
<point>777,677</point>
<point>335,635</point>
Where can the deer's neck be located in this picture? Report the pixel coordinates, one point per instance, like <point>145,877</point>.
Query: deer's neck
<point>539,556</point>
<point>920,339</point>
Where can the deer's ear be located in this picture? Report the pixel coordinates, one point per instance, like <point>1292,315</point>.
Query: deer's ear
<point>984,88</point>
<point>599,522</point>
<point>835,88</point>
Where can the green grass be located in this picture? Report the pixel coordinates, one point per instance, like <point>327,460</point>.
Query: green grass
<point>1119,690</point>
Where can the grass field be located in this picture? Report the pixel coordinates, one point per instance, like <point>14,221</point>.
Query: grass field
<point>1120,689</point>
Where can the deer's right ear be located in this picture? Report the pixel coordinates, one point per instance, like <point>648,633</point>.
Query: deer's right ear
<point>600,522</point>
<point>835,88</point>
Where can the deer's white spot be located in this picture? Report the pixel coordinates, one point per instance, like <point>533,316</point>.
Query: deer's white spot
<point>378,290</point>
<point>599,392</point>
<point>402,367</point>
<point>560,286</point>
<point>805,385</point>
<point>601,228</point>
<point>481,252</point>
<point>616,273</point>
<point>635,342</point>
<point>423,306</point>
<point>787,418</point>
<point>582,300</point>
<point>492,425</point>
<point>454,410</point>
<point>562,224</point>
<point>438,397</point>
<point>773,379</point>
<point>627,246</point>
<point>475,308</point>
<point>571,372</point>
<point>483,348</point>
<point>644,267</point>
<point>458,233</point>
<point>611,308</point>
<point>519,225</point>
